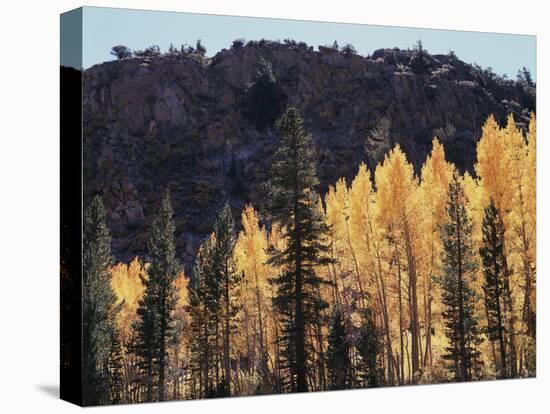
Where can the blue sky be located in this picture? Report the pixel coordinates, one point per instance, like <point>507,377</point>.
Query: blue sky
<point>137,29</point>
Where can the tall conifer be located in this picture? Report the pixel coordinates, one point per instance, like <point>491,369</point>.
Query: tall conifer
<point>369,347</point>
<point>292,190</point>
<point>458,270</point>
<point>99,304</point>
<point>338,353</point>
<point>156,308</point>
<point>228,280</point>
<point>495,271</point>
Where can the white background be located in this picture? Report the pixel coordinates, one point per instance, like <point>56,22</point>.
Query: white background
<point>29,206</point>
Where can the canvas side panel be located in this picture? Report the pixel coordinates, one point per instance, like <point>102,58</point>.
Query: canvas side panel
<point>71,207</point>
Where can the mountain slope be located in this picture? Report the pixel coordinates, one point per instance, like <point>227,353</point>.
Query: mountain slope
<point>184,123</point>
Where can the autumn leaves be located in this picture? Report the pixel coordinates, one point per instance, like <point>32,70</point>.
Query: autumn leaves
<point>400,272</point>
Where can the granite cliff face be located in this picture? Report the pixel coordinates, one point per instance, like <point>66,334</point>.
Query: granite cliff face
<point>180,123</point>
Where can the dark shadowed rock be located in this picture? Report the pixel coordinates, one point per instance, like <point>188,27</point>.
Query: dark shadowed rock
<point>178,123</point>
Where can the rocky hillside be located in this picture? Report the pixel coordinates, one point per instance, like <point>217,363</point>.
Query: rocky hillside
<point>187,123</point>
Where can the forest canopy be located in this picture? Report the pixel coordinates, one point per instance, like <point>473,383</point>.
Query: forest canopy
<point>391,278</point>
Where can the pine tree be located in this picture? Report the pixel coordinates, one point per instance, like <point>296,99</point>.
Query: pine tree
<point>228,280</point>
<point>145,342</point>
<point>338,353</point>
<point>116,366</point>
<point>99,302</point>
<point>264,99</point>
<point>156,308</point>
<point>370,348</point>
<point>202,318</point>
<point>293,200</point>
<point>458,269</point>
<point>495,283</point>
<point>213,308</point>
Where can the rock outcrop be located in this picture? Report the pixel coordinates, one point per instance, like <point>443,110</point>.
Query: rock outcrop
<point>179,123</point>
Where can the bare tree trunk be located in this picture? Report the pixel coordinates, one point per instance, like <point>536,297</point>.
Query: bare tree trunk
<point>383,301</point>
<point>528,315</point>
<point>428,357</point>
<point>150,377</point>
<point>356,265</point>
<point>511,324</point>
<point>263,352</point>
<point>411,265</point>
<point>400,300</point>
<point>226,355</point>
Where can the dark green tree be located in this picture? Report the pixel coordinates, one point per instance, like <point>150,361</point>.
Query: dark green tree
<point>199,48</point>
<point>203,309</point>
<point>121,52</point>
<point>494,268</point>
<point>213,309</point>
<point>292,204</point>
<point>156,308</point>
<point>98,305</point>
<point>228,280</point>
<point>338,353</point>
<point>348,49</point>
<point>238,43</point>
<point>369,347</point>
<point>419,63</point>
<point>145,341</point>
<point>263,99</point>
<point>116,367</point>
<point>458,270</point>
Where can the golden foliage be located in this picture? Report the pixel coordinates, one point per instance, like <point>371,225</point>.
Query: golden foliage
<point>386,247</point>
<point>126,283</point>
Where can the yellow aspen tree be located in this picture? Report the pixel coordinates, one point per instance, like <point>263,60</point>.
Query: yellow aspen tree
<point>521,228</point>
<point>351,251</point>
<point>398,199</point>
<point>522,215</point>
<point>250,256</point>
<point>494,166</point>
<point>128,288</point>
<point>126,283</point>
<point>530,210</point>
<point>474,203</point>
<point>436,174</point>
<point>367,237</point>
<point>351,294</point>
<point>335,219</point>
<point>528,237</point>
<point>498,170</point>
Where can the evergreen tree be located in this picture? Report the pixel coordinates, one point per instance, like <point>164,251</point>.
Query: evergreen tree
<point>156,308</point>
<point>228,280</point>
<point>145,342</point>
<point>338,353</point>
<point>199,48</point>
<point>292,199</point>
<point>214,308</point>
<point>370,349</point>
<point>99,303</point>
<point>116,366</point>
<point>202,319</point>
<point>263,99</point>
<point>458,269</point>
<point>494,270</point>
